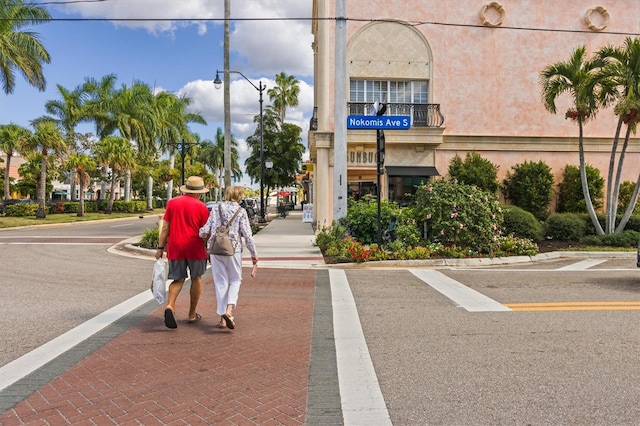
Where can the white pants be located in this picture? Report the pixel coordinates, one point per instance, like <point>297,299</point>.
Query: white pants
<point>227,277</point>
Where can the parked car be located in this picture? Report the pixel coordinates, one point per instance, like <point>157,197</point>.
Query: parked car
<point>5,203</point>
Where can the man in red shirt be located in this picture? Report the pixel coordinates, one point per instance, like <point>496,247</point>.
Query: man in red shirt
<point>183,218</point>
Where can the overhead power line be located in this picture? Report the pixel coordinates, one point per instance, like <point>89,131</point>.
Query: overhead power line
<point>263,19</point>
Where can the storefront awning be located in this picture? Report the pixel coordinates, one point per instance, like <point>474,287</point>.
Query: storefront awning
<point>412,171</point>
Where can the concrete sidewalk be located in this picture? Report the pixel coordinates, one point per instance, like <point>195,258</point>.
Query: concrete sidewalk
<point>137,371</point>
<point>287,243</point>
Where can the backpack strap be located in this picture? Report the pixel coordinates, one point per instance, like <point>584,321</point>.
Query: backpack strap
<point>232,217</point>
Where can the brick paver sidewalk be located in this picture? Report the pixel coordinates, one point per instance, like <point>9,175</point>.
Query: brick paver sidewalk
<point>197,374</point>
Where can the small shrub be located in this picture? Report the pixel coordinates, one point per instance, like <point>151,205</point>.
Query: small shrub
<point>475,171</point>
<point>565,227</point>
<point>521,223</point>
<point>529,186</point>
<point>511,245</point>
<point>362,219</point>
<point>570,196</point>
<point>622,239</point>
<point>21,210</point>
<point>149,239</point>
<point>329,236</point>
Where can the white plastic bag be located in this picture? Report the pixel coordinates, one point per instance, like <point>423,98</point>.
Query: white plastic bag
<point>159,282</point>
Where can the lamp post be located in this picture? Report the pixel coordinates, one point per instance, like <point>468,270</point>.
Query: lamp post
<point>260,88</point>
<point>183,147</point>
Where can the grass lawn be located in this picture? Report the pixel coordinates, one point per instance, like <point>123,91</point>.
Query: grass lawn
<point>13,222</point>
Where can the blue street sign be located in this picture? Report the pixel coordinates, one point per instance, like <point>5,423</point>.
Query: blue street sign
<point>390,122</point>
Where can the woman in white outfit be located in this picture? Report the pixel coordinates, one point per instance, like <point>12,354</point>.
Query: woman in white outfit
<point>227,270</point>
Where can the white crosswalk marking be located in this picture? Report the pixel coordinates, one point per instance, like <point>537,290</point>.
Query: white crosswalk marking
<point>582,265</point>
<point>360,394</point>
<point>462,295</point>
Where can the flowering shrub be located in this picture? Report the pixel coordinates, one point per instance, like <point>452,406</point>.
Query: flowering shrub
<point>350,250</point>
<point>459,215</point>
<point>511,245</point>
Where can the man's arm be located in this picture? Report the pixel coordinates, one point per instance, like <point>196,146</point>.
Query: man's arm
<point>162,238</point>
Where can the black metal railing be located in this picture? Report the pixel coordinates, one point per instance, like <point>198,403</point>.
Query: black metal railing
<point>422,115</point>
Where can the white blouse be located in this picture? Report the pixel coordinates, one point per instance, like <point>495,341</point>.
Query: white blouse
<point>240,227</point>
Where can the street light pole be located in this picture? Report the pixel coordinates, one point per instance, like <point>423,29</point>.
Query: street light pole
<point>183,147</point>
<point>260,88</point>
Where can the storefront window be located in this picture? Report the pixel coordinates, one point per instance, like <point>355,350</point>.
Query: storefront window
<point>402,189</point>
<point>357,190</point>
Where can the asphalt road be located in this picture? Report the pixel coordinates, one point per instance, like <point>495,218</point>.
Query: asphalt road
<point>570,358</point>
<point>55,278</point>
<point>566,352</point>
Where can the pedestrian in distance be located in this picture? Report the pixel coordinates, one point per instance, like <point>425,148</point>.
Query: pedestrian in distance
<point>227,270</point>
<point>179,235</point>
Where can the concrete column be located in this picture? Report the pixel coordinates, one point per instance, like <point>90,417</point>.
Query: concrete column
<point>322,203</point>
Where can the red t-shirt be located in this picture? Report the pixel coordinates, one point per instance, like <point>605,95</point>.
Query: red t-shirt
<point>185,215</point>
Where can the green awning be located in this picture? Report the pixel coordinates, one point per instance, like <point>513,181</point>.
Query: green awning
<point>412,171</point>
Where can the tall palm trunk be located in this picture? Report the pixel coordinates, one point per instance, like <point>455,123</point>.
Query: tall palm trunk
<point>616,187</point>
<point>612,160</point>
<point>149,193</point>
<point>112,195</point>
<point>7,188</point>
<point>81,201</point>
<point>630,207</point>
<point>127,185</point>
<point>42,188</point>
<point>172,163</point>
<point>583,180</point>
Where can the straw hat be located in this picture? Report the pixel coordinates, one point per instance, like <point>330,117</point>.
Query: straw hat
<point>194,185</point>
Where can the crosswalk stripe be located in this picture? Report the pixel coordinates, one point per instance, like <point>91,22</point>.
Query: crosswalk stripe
<point>575,306</point>
<point>582,265</point>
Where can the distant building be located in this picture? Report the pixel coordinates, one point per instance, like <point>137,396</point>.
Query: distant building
<point>466,73</point>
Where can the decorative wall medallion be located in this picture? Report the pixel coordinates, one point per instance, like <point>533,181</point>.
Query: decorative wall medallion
<point>601,17</point>
<point>490,7</point>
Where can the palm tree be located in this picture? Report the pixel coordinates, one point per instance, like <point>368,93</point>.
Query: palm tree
<point>12,139</point>
<point>173,118</point>
<point>624,68</point>
<point>116,153</point>
<point>47,140</point>
<point>21,50</point>
<point>285,94</point>
<point>70,111</point>
<point>282,142</point>
<point>580,78</point>
<point>81,164</point>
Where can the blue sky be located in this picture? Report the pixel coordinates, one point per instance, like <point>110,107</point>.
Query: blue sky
<point>169,51</point>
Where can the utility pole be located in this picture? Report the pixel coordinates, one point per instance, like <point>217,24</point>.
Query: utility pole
<point>227,102</point>
<point>340,110</point>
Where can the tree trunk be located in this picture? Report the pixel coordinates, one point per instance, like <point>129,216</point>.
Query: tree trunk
<point>583,180</point>
<point>609,224</point>
<point>149,193</point>
<point>630,207</point>
<point>81,201</point>
<point>42,188</point>
<point>7,180</point>
<point>172,162</point>
<point>616,186</point>
<point>127,185</point>
<point>112,195</point>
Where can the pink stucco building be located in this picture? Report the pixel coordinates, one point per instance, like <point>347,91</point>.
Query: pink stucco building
<point>466,72</point>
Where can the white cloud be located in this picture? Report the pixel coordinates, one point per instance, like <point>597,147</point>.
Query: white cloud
<point>259,49</point>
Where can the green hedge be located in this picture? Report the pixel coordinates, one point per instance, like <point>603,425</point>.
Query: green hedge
<point>21,210</point>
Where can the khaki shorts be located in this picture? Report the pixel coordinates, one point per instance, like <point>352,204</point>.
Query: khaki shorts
<point>178,268</point>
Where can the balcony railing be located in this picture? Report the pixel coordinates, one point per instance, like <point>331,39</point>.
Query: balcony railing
<point>422,115</point>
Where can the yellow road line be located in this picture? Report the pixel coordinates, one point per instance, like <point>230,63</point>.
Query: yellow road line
<point>575,306</point>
